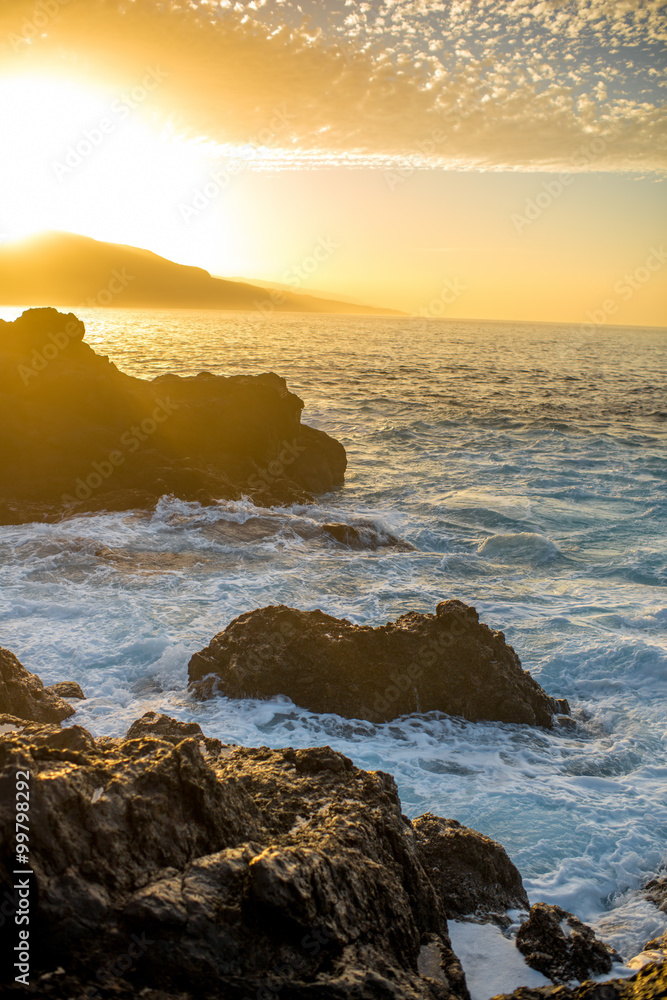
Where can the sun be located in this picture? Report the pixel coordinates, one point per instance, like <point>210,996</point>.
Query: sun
<point>102,162</point>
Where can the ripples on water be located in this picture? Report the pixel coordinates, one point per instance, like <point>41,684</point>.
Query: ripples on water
<point>525,464</point>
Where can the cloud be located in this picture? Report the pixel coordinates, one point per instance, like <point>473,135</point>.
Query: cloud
<point>490,85</point>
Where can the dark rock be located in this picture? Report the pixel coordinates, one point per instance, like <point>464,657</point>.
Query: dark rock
<point>67,689</point>
<point>23,695</point>
<point>253,872</point>
<point>447,662</point>
<point>650,983</point>
<point>472,874</point>
<point>656,891</point>
<point>79,435</point>
<point>364,535</point>
<point>561,947</point>
<point>166,728</point>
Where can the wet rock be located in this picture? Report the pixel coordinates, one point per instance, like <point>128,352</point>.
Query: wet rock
<point>447,662</point>
<point>67,689</point>
<point>251,872</point>
<point>23,695</point>
<point>656,891</point>
<point>79,435</point>
<point>364,535</point>
<point>650,983</point>
<point>472,874</point>
<point>561,947</point>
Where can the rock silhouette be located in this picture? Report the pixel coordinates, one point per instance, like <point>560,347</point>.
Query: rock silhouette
<point>80,435</point>
<point>447,662</point>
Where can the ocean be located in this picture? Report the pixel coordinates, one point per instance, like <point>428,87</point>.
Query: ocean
<point>526,464</point>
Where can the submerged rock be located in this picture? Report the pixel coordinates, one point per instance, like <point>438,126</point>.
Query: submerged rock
<point>161,865</point>
<point>447,662</point>
<point>561,947</point>
<point>473,875</point>
<point>23,695</point>
<point>79,435</point>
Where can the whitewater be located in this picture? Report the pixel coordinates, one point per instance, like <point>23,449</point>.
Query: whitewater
<point>526,466</point>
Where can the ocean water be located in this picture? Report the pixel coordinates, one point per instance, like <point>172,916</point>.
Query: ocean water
<point>526,464</point>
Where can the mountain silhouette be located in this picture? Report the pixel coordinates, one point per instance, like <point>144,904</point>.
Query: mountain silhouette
<point>66,269</point>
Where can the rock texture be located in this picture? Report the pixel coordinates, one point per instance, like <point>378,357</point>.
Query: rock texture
<point>561,947</point>
<point>650,983</point>
<point>174,864</point>
<point>67,689</point>
<point>80,435</point>
<point>23,695</point>
<point>447,662</point>
<point>656,891</point>
<point>473,876</point>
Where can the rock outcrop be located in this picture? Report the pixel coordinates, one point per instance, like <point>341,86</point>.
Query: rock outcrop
<point>447,662</point>
<point>67,689</point>
<point>473,875</point>
<point>23,696</point>
<point>561,947</point>
<point>79,435</point>
<point>187,868</point>
<point>650,983</point>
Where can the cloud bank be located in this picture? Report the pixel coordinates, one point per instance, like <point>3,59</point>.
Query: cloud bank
<point>468,84</point>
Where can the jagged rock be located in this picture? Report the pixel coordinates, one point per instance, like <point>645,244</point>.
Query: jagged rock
<point>561,947</point>
<point>447,662</point>
<point>23,695</point>
<point>472,874</point>
<point>160,865</point>
<point>650,983</point>
<point>67,689</point>
<point>172,730</point>
<point>79,435</point>
<point>364,535</point>
<point>656,891</point>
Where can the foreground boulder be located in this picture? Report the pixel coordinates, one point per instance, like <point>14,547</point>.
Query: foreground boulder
<point>23,695</point>
<point>79,435</point>
<point>473,875</point>
<point>168,863</point>
<point>561,947</point>
<point>447,662</point>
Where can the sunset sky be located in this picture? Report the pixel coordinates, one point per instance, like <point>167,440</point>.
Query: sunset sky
<point>424,143</point>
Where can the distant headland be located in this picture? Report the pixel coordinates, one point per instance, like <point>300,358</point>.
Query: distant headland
<point>66,269</point>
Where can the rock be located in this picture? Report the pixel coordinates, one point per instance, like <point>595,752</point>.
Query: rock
<point>364,535</point>
<point>650,983</point>
<point>159,866</point>
<point>561,947</point>
<point>79,435</point>
<point>656,891</point>
<point>472,874</point>
<point>23,695</point>
<point>166,728</point>
<point>447,662</point>
<point>67,689</point>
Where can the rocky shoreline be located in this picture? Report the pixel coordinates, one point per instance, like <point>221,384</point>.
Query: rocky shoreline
<point>79,435</point>
<point>172,866</point>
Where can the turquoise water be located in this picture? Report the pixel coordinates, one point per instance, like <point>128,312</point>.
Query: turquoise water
<point>527,466</point>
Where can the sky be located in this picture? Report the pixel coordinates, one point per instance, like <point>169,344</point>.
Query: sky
<point>497,159</point>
